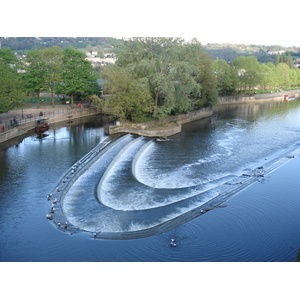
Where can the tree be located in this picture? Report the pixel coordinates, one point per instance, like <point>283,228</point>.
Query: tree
<point>249,72</point>
<point>173,77</point>
<point>9,58</point>
<point>268,76</point>
<point>283,74</point>
<point>35,73</point>
<point>227,79</point>
<point>11,92</point>
<point>52,58</point>
<point>130,97</point>
<point>203,73</point>
<point>78,76</point>
<point>290,62</point>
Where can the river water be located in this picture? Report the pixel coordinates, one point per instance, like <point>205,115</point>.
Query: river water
<point>153,190</point>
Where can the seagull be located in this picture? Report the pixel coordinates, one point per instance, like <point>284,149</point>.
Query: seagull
<point>173,243</point>
<point>49,217</point>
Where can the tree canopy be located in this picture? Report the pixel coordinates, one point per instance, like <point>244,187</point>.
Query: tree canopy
<point>35,72</point>
<point>177,76</point>
<point>78,77</point>
<point>11,92</point>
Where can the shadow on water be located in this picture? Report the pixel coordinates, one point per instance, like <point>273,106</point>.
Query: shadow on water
<point>256,225</point>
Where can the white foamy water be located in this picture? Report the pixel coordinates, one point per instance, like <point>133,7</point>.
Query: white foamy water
<point>140,184</point>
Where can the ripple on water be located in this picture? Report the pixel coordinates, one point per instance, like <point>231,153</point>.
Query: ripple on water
<point>147,184</point>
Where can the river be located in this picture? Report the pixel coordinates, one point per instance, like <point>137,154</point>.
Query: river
<point>139,184</point>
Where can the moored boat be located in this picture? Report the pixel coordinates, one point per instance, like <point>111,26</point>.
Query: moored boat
<point>289,98</point>
<point>41,125</point>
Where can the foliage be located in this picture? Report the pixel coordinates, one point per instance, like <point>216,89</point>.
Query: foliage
<point>28,43</point>
<point>227,78</point>
<point>52,58</point>
<point>130,97</point>
<point>248,69</point>
<point>78,76</point>
<point>254,75</point>
<point>8,57</point>
<point>35,72</point>
<point>11,92</point>
<point>178,76</point>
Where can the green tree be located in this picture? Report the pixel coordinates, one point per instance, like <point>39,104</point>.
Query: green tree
<point>298,76</point>
<point>168,67</point>
<point>283,74</point>
<point>8,57</point>
<point>203,73</point>
<point>249,71</point>
<point>290,62</point>
<point>130,97</point>
<point>35,73</point>
<point>227,79</point>
<point>11,91</point>
<point>52,58</point>
<point>78,76</point>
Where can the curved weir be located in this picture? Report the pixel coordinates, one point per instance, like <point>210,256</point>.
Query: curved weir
<point>110,194</point>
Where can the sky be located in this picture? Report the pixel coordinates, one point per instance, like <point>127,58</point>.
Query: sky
<point>257,22</point>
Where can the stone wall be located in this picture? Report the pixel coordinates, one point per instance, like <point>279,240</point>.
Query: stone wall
<point>52,119</point>
<point>161,128</point>
<point>277,96</point>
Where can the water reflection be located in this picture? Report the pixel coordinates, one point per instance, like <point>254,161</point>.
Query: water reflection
<point>259,225</point>
<point>143,185</point>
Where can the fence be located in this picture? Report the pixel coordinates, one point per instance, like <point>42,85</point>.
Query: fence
<point>9,120</point>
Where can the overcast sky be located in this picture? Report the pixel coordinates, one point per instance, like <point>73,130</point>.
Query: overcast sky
<point>228,21</point>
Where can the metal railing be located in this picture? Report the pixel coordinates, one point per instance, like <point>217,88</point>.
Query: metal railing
<point>10,122</point>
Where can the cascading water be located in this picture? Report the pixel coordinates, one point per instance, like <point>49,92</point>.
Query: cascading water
<point>136,187</point>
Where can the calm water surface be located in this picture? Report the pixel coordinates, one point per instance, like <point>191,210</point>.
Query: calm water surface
<point>259,224</point>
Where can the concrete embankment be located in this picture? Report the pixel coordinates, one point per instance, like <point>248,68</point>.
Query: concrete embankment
<point>53,115</point>
<point>172,125</point>
<point>258,98</point>
<point>161,128</point>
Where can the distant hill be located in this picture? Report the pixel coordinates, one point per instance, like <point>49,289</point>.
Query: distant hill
<point>21,44</point>
<point>264,54</point>
<point>228,52</point>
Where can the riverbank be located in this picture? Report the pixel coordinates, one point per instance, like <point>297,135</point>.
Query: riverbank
<point>172,125</point>
<point>164,128</point>
<point>161,128</point>
<point>277,96</point>
<point>25,118</point>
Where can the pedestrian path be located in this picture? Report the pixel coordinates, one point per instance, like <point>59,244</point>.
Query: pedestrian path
<point>20,116</point>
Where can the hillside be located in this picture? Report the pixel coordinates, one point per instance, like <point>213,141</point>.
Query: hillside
<point>21,44</point>
<point>264,53</point>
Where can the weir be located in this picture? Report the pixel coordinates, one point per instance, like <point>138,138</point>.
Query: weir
<point>103,195</point>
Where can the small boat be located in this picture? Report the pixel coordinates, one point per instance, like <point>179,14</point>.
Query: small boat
<point>289,98</point>
<point>41,125</point>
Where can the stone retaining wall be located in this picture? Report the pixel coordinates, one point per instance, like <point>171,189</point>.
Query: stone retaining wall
<point>161,128</point>
<point>28,126</point>
<point>277,96</point>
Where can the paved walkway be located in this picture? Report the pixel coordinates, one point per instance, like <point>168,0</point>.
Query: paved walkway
<point>23,115</point>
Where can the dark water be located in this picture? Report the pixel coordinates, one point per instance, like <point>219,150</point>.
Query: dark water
<point>259,224</point>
